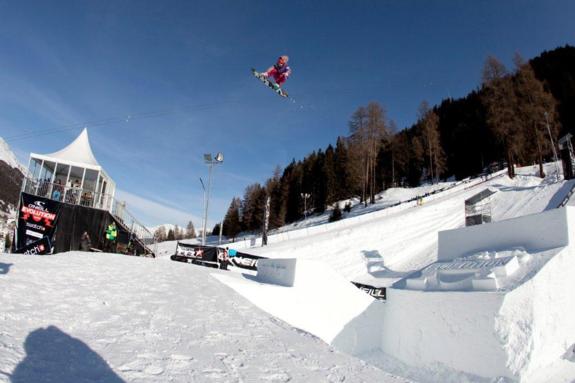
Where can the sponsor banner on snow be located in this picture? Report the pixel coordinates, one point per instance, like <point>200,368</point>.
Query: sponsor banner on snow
<point>40,247</point>
<point>37,219</point>
<point>195,254</point>
<point>375,292</point>
<point>244,261</point>
<point>208,256</point>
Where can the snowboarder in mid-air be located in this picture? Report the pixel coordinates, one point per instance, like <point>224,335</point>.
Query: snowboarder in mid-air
<point>280,71</point>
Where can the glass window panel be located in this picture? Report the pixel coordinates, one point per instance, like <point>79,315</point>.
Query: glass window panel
<point>35,166</point>
<point>45,179</point>
<point>61,174</point>
<point>100,184</point>
<point>90,180</point>
<point>76,175</point>
<point>89,187</point>
<point>47,171</point>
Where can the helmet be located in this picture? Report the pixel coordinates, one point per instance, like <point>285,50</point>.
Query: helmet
<point>284,58</point>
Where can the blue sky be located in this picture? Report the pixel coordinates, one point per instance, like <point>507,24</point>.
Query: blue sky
<point>159,83</point>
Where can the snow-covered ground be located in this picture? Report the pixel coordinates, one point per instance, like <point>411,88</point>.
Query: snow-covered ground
<point>87,317</point>
<point>138,320</point>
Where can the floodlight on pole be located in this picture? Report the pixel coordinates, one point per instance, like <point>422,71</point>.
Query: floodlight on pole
<point>208,160</point>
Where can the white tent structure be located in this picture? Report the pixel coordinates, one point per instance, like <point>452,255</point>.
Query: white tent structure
<point>71,175</point>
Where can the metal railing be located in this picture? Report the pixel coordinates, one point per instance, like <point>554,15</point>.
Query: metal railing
<point>68,194</point>
<point>138,231</point>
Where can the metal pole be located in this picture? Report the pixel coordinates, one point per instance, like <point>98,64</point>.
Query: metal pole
<point>204,221</point>
<point>555,158</point>
<point>221,231</point>
<point>207,203</point>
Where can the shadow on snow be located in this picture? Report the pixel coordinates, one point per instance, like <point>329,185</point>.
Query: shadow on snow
<point>54,356</point>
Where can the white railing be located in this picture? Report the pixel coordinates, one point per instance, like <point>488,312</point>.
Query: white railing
<point>68,194</point>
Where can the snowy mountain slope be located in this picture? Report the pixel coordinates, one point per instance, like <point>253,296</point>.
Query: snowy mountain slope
<point>11,174</point>
<point>383,200</point>
<point>83,317</point>
<point>8,156</point>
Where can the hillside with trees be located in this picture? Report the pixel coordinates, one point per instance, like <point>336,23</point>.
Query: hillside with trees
<point>506,120</point>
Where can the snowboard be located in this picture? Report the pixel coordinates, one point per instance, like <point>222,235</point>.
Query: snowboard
<point>270,84</point>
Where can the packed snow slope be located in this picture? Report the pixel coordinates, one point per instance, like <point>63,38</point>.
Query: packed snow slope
<point>92,317</point>
<point>380,247</point>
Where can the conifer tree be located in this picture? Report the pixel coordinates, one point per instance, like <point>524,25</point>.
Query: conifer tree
<point>277,203</point>
<point>537,110</point>
<point>500,103</point>
<point>368,128</point>
<point>160,234</point>
<point>341,170</point>
<point>171,235</point>
<point>190,230</point>
<point>429,123</point>
<point>232,225</point>
<point>330,176</point>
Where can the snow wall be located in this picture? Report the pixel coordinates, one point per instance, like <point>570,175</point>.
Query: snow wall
<point>492,334</point>
<point>536,232</point>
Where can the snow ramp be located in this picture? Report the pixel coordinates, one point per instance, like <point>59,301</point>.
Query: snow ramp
<point>471,313</point>
<point>311,296</point>
<point>515,325</point>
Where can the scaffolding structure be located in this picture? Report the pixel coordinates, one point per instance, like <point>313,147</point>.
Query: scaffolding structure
<point>478,208</point>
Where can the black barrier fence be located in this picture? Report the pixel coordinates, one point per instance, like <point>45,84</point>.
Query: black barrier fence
<point>196,254</point>
<point>212,256</point>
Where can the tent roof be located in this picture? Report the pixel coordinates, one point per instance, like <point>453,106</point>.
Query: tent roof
<point>79,151</point>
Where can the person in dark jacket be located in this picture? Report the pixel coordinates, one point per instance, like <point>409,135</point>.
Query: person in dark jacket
<point>223,258</point>
<point>85,242</point>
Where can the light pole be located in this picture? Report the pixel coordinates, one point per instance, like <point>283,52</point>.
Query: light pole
<point>305,196</point>
<point>218,159</point>
<point>555,158</point>
<point>204,220</point>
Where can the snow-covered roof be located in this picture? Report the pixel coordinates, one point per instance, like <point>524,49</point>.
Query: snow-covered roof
<point>79,152</point>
